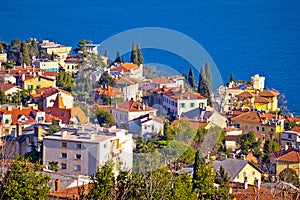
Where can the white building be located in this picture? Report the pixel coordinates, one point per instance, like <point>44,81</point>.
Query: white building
<point>291,138</point>
<point>129,88</point>
<point>146,125</point>
<point>129,110</point>
<point>258,82</point>
<point>177,102</point>
<point>129,69</point>
<point>82,151</point>
<point>160,82</point>
<point>47,65</point>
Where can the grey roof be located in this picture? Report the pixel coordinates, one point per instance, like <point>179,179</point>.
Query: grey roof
<point>199,113</point>
<point>233,166</point>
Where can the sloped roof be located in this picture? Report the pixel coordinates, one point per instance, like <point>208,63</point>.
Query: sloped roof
<point>252,117</point>
<point>186,95</point>
<point>280,153</point>
<point>71,193</point>
<point>268,93</point>
<point>296,129</point>
<point>110,91</point>
<point>48,91</point>
<point>60,113</point>
<point>161,80</point>
<point>133,106</point>
<point>245,95</point>
<point>292,156</point>
<point>127,81</point>
<point>4,87</point>
<point>261,99</point>
<point>233,166</point>
<point>197,112</point>
<point>78,112</point>
<point>58,103</point>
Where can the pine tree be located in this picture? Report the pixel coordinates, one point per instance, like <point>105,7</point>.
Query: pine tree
<point>118,59</point>
<point>191,78</point>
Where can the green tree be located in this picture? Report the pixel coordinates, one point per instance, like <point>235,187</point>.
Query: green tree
<point>53,128</point>
<point>118,58</point>
<point>2,97</point>
<point>203,178</point>
<point>191,78</point>
<point>247,142</point>
<point>103,183</point>
<point>289,175</point>
<point>222,180</point>
<point>208,77</point>
<point>4,47</point>
<point>231,78</point>
<point>24,180</point>
<point>32,48</point>
<point>134,55</point>
<point>270,146</point>
<point>106,80</point>
<point>203,86</point>
<point>25,54</point>
<point>140,56</point>
<point>81,46</point>
<point>183,188</point>
<point>123,58</point>
<point>106,53</point>
<point>33,155</point>
<point>65,81</point>
<point>104,118</point>
<point>53,165</point>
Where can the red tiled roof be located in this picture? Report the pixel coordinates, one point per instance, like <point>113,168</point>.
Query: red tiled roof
<point>127,81</point>
<point>281,152</point>
<point>262,100</point>
<point>71,193</point>
<point>245,95</point>
<point>72,59</point>
<point>61,113</point>
<point>48,91</point>
<point>110,91</point>
<point>296,129</point>
<point>185,95</point>
<point>161,80</point>
<point>252,117</point>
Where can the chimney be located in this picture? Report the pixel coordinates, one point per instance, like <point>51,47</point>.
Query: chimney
<point>19,130</point>
<point>144,107</point>
<point>34,74</point>
<point>23,77</point>
<point>245,183</point>
<point>57,185</point>
<point>64,134</point>
<point>9,108</point>
<point>38,132</point>
<point>21,106</point>
<point>256,183</point>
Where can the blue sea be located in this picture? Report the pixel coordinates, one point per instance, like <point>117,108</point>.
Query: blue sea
<point>242,37</point>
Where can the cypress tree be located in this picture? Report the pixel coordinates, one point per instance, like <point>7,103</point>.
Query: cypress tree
<point>203,86</point>
<point>191,78</point>
<point>134,56</point>
<point>118,59</point>
<point>25,55</point>
<point>140,56</point>
<point>106,53</point>
<point>231,77</point>
<point>123,58</point>
<point>208,76</point>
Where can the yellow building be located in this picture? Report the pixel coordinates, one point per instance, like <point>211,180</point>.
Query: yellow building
<point>37,81</point>
<point>285,159</point>
<point>270,99</point>
<point>61,50</point>
<point>264,124</point>
<point>71,65</point>
<point>239,170</point>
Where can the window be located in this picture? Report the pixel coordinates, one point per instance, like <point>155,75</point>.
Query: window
<point>244,174</point>
<point>77,156</point>
<point>253,173</point>
<point>257,128</point>
<point>77,168</point>
<point>78,146</point>
<point>192,105</point>
<point>6,121</point>
<point>263,129</point>
<point>105,145</point>
<point>63,166</point>
<point>238,125</point>
<point>64,144</point>
<point>182,105</point>
<point>290,136</point>
<point>145,127</point>
<point>64,155</point>
<point>39,79</point>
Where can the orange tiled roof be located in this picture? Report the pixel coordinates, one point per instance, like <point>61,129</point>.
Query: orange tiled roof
<point>252,117</point>
<point>261,99</point>
<point>130,66</point>
<point>292,156</point>
<point>161,80</point>
<point>296,129</point>
<point>48,91</point>
<point>185,95</point>
<point>268,93</point>
<point>71,193</point>
<point>245,95</point>
<point>60,113</point>
<point>127,81</point>
<point>72,59</point>
<point>133,106</point>
<point>110,91</point>
<point>253,193</point>
<point>292,119</point>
